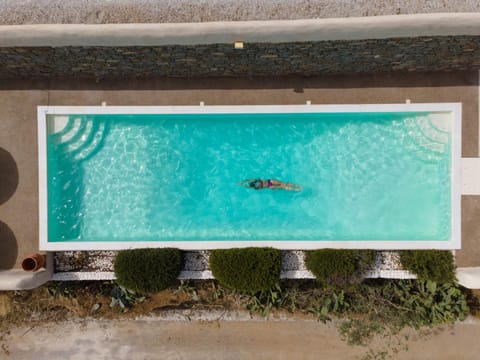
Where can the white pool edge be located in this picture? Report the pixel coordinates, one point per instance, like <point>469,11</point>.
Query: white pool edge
<point>453,243</point>
<point>42,177</point>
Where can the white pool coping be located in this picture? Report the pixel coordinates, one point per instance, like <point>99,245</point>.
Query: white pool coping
<point>453,243</point>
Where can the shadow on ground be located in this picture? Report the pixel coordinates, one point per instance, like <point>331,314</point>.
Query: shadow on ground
<point>297,83</point>
<point>8,247</point>
<point>8,175</point>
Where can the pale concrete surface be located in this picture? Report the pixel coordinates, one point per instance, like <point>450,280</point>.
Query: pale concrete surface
<point>471,176</point>
<point>156,11</point>
<point>469,277</point>
<point>287,340</point>
<point>17,279</point>
<point>18,134</point>
<point>274,31</point>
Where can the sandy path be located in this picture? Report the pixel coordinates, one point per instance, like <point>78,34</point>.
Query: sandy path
<point>129,339</point>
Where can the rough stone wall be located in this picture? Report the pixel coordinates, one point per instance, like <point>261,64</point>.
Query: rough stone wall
<point>443,53</point>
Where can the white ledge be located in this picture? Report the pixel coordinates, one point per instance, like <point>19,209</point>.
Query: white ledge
<point>17,279</point>
<point>207,274</point>
<point>470,176</point>
<point>270,31</point>
<point>469,277</point>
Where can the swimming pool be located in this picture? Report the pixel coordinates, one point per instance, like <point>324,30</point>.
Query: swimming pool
<point>372,176</point>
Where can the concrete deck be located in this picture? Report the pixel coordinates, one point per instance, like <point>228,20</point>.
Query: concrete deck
<point>18,101</point>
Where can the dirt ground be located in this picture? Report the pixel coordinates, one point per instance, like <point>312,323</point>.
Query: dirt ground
<point>169,326</point>
<point>151,339</point>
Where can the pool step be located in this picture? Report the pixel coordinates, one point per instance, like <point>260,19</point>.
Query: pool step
<point>80,138</point>
<point>431,131</point>
<point>69,131</point>
<point>428,141</point>
<point>426,135</point>
<point>90,148</point>
<point>58,124</point>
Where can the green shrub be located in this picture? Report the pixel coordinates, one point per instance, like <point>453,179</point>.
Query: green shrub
<point>338,266</point>
<point>435,265</point>
<point>148,270</point>
<point>247,270</point>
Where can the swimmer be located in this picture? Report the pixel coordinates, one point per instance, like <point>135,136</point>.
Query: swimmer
<point>273,184</point>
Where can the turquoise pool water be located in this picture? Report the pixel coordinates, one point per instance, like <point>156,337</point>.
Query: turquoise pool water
<point>365,176</point>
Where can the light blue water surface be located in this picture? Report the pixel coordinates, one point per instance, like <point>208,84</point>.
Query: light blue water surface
<point>378,176</point>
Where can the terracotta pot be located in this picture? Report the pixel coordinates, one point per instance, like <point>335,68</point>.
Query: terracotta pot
<point>34,262</point>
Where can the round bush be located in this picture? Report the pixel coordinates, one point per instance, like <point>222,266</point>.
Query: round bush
<point>247,270</point>
<point>148,270</point>
<point>435,265</point>
<point>338,266</point>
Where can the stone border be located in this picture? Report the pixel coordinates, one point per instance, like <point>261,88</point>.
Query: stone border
<point>273,31</point>
<point>293,267</point>
<point>205,275</point>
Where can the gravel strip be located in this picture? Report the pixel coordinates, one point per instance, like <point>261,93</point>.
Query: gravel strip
<point>197,261</point>
<point>87,261</point>
<point>16,12</point>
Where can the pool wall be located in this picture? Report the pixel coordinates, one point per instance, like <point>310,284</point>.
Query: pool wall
<point>454,242</point>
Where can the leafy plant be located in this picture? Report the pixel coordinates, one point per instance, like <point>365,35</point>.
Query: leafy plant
<point>186,288</point>
<point>436,265</point>
<point>338,266</point>
<point>329,303</point>
<point>247,270</point>
<point>58,289</point>
<point>217,292</point>
<point>124,298</point>
<point>427,302</point>
<point>391,306</point>
<point>148,270</point>
<point>266,300</point>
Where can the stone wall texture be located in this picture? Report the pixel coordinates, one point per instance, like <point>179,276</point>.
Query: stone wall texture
<point>441,53</point>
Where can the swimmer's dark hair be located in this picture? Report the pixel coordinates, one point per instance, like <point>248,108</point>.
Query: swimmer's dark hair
<point>255,184</point>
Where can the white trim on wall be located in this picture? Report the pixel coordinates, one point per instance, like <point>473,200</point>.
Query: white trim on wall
<point>267,31</point>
